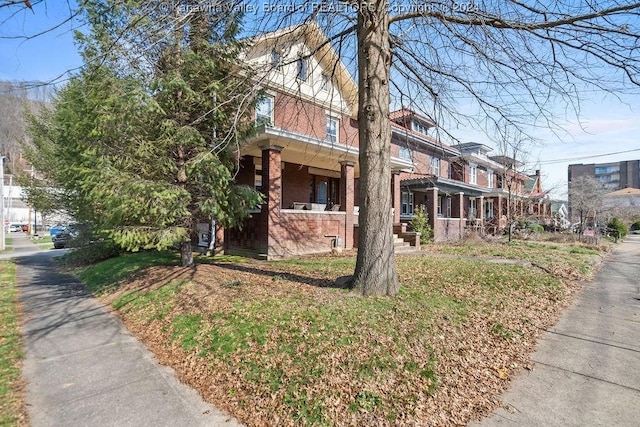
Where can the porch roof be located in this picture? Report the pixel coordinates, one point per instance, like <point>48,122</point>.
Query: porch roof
<point>310,151</point>
<point>444,185</point>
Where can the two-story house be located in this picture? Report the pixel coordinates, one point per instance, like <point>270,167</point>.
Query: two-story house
<point>304,157</point>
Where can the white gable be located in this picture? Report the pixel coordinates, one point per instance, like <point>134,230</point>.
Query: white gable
<point>327,78</point>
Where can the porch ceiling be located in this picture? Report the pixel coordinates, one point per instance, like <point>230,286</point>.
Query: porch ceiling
<point>309,151</point>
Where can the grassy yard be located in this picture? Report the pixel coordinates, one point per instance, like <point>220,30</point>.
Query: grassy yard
<point>44,242</point>
<point>274,343</point>
<point>12,410</point>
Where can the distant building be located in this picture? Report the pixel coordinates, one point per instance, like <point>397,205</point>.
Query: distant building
<point>614,175</point>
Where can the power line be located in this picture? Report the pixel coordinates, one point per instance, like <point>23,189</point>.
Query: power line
<point>549,162</point>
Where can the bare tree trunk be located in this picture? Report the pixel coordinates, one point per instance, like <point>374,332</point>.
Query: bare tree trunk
<point>375,272</point>
<point>186,254</point>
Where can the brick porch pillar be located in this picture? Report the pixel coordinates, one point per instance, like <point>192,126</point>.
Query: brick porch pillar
<point>431,205</point>
<point>460,205</point>
<point>272,189</point>
<point>347,200</point>
<point>395,190</point>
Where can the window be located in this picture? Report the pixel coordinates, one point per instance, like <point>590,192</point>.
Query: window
<point>419,127</point>
<point>275,58</point>
<point>488,209</point>
<point>332,129</point>
<point>490,178</point>
<point>472,207</point>
<point>264,111</point>
<point>405,153</point>
<point>303,69</point>
<point>435,166</point>
<point>324,83</point>
<point>440,205</point>
<point>257,180</point>
<point>406,203</point>
<point>473,173</point>
<point>447,207</point>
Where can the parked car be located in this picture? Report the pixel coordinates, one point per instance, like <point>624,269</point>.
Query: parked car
<point>63,238</point>
<point>56,229</point>
<point>15,227</point>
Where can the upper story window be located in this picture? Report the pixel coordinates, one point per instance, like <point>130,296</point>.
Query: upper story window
<point>405,153</point>
<point>303,69</point>
<point>419,127</point>
<point>324,83</point>
<point>435,166</point>
<point>473,173</point>
<point>275,58</point>
<point>332,129</point>
<point>264,111</point>
<point>490,178</point>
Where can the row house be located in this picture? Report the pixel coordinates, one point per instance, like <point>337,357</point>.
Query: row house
<point>304,158</point>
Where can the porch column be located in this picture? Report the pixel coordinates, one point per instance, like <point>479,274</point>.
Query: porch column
<point>481,216</point>
<point>395,190</point>
<point>347,200</point>
<point>431,205</point>
<point>272,188</point>
<point>460,204</point>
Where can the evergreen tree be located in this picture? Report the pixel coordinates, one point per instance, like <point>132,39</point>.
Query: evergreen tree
<point>144,144</point>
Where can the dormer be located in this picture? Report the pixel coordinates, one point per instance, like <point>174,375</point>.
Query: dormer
<point>409,119</point>
<point>473,149</point>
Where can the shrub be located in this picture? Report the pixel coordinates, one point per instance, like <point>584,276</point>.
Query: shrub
<point>420,224</point>
<point>618,227</point>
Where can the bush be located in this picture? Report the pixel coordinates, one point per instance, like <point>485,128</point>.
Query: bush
<point>618,228</point>
<point>420,224</point>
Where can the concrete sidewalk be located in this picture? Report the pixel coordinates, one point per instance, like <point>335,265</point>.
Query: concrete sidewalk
<point>587,367</point>
<point>82,366</point>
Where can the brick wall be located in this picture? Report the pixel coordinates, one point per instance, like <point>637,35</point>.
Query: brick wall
<point>300,232</point>
<point>447,229</point>
<point>246,238</point>
<point>296,184</point>
<point>298,115</point>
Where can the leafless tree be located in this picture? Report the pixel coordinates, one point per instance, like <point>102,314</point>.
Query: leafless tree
<point>482,63</point>
<point>585,199</point>
<point>513,62</point>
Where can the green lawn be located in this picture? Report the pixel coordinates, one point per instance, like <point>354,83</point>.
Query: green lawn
<point>12,411</point>
<point>274,343</point>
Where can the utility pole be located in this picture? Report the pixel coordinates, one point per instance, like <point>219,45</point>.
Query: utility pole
<point>4,227</point>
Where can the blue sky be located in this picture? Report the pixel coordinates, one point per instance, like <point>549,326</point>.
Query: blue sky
<point>608,125</point>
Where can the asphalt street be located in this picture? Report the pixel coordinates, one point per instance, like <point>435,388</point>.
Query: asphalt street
<point>587,367</point>
<point>83,367</point>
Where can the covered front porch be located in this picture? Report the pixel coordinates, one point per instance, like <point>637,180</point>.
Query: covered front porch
<point>311,190</point>
<point>455,209</point>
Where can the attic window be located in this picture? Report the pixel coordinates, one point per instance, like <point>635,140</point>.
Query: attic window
<point>419,127</point>
<point>303,69</point>
<point>275,58</point>
<point>324,84</point>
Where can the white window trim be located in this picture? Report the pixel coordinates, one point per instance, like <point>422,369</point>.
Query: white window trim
<point>333,138</point>
<point>271,112</point>
<point>405,153</point>
<point>490,178</point>
<point>473,173</point>
<point>434,170</point>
